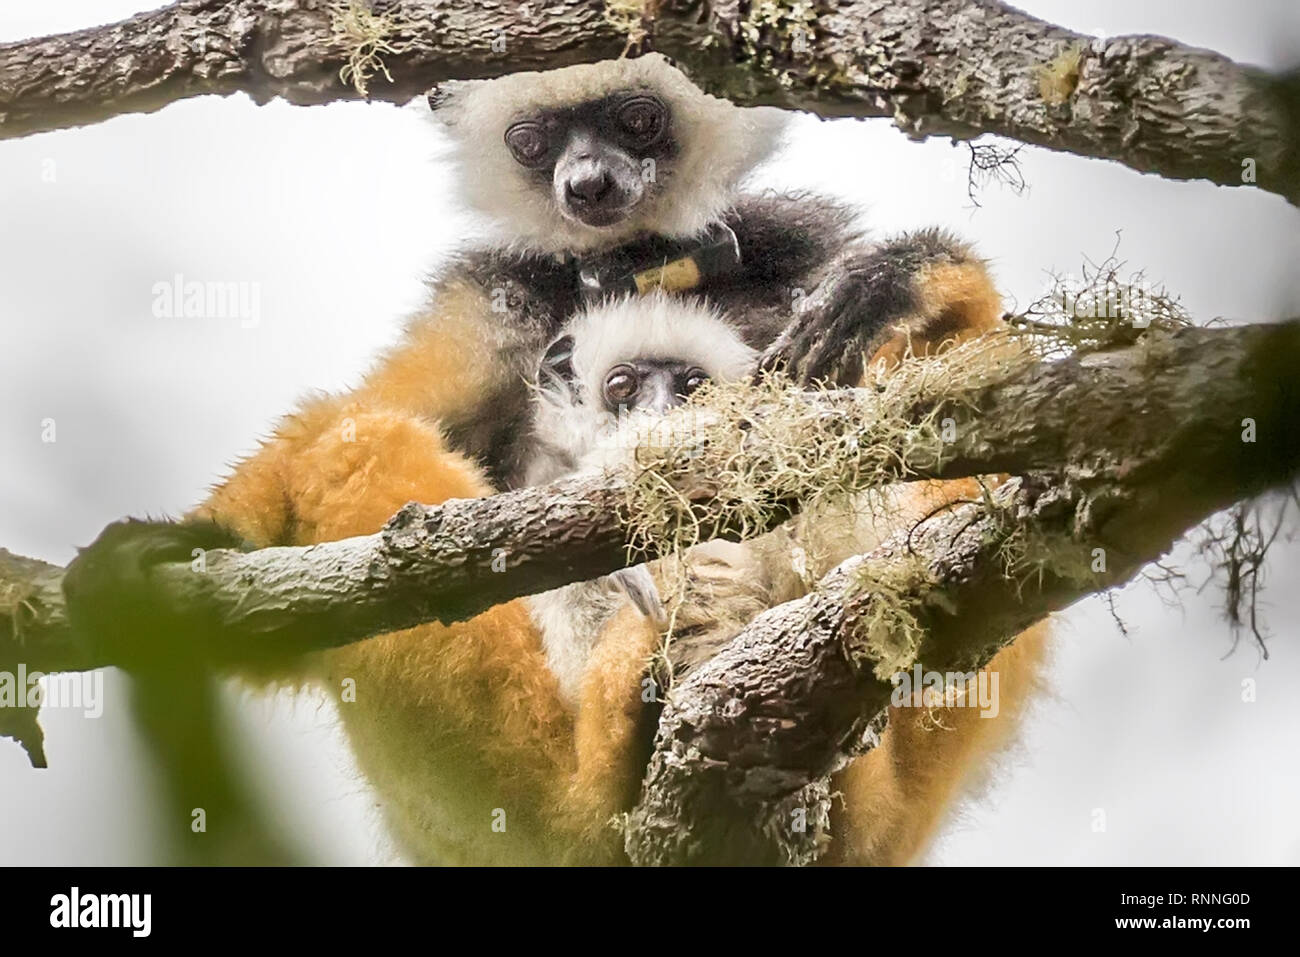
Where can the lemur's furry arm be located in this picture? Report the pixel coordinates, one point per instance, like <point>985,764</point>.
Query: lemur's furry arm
<point>872,300</point>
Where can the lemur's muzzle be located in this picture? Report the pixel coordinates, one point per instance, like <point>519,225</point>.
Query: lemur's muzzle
<point>596,183</point>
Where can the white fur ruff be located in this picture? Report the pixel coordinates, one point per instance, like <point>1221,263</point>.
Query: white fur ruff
<point>719,142</point>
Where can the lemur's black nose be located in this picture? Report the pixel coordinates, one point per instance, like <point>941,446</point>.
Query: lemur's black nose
<point>590,187</point>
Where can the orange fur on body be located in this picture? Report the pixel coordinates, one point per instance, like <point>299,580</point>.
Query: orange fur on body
<point>461,728</point>
<point>895,797</point>
<point>956,301</point>
<point>450,723</point>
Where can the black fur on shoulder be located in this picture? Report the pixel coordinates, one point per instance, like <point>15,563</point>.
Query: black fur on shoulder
<point>797,250</point>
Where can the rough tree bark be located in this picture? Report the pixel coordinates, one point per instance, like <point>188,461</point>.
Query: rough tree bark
<point>1151,103</point>
<point>756,732</point>
<point>1131,423</point>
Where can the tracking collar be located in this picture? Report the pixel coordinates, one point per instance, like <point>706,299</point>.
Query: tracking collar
<point>656,263</point>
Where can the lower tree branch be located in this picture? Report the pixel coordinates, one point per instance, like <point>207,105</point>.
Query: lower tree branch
<point>747,744</point>
<point>755,733</point>
<point>1168,409</point>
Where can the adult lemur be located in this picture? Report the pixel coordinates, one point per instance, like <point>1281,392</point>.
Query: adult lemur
<point>606,178</point>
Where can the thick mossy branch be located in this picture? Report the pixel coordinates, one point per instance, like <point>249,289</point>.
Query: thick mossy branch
<point>1170,407</point>
<point>957,68</point>
<point>746,739</point>
<point>737,452</point>
<point>753,735</point>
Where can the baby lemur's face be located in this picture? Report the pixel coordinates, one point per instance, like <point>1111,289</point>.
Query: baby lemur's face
<point>620,366</point>
<point>650,385</point>
<point>599,158</point>
<point>635,382</point>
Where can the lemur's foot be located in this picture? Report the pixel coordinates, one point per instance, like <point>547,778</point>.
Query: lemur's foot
<point>639,586</point>
<point>111,600</point>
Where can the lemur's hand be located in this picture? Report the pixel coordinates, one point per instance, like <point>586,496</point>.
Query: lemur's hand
<point>871,296</point>
<point>830,331</point>
<point>845,319</point>
<point>112,603</point>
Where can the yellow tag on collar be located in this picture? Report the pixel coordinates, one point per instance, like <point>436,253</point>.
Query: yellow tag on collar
<point>676,276</point>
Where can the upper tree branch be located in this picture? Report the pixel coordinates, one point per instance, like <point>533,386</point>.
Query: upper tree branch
<point>952,67</point>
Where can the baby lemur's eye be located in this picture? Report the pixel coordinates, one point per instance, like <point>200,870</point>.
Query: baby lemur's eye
<point>644,117</point>
<point>693,380</point>
<point>528,142</point>
<point>621,384</point>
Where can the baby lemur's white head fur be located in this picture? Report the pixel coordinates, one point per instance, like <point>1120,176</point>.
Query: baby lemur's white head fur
<point>588,156</point>
<point>618,364</point>
<point>615,369</point>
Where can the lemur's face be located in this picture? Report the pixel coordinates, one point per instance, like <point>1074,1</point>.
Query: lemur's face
<point>635,383</point>
<point>592,155</point>
<point>650,385</point>
<point>601,158</point>
<point>617,372</point>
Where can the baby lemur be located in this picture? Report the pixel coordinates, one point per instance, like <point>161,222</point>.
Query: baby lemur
<point>604,179</point>
<point>603,386</point>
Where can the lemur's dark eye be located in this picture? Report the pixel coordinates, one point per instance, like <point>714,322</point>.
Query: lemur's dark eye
<point>621,384</point>
<point>644,117</point>
<point>527,141</point>
<point>693,380</point>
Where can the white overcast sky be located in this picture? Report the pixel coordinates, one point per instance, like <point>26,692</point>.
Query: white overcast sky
<point>337,212</point>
